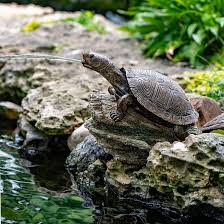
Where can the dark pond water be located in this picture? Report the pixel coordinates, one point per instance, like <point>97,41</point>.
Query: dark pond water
<point>25,199</point>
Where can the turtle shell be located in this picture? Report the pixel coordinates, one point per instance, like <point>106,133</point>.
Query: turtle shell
<point>161,96</point>
<point>215,124</point>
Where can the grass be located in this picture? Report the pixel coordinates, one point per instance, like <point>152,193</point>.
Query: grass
<point>180,30</point>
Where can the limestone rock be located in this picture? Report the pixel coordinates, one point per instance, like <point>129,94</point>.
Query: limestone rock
<point>129,140</point>
<point>14,82</point>
<point>176,175</point>
<point>9,110</point>
<point>190,171</point>
<point>57,107</point>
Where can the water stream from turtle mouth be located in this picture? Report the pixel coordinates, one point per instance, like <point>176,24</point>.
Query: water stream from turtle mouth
<point>39,56</point>
<point>24,199</point>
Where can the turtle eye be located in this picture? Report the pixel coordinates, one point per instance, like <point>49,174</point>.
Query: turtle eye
<point>91,55</point>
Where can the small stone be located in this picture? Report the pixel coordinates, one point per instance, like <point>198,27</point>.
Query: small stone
<point>9,110</point>
<point>77,136</point>
<point>123,179</point>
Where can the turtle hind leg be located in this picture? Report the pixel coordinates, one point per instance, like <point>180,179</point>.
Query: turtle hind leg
<point>182,131</point>
<point>122,106</point>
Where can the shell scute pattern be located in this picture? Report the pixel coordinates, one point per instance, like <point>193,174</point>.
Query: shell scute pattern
<point>161,96</point>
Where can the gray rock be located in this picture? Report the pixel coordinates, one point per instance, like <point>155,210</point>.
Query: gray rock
<point>131,139</point>
<point>33,138</point>
<point>85,154</point>
<point>58,107</point>
<point>14,82</point>
<point>87,164</point>
<point>183,173</point>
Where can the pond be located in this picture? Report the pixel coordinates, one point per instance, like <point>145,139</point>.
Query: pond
<point>23,200</point>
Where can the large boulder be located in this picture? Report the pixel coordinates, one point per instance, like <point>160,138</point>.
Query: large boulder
<point>190,171</point>
<point>58,107</point>
<point>149,166</point>
<point>129,140</point>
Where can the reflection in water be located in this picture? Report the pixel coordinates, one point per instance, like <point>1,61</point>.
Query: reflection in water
<point>23,203</point>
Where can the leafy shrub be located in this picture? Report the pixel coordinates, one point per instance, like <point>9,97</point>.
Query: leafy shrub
<point>206,83</point>
<point>191,30</point>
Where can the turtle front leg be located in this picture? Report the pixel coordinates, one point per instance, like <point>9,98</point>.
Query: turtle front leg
<point>122,106</point>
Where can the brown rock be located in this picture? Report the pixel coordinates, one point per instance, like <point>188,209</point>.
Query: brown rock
<point>206,107</point>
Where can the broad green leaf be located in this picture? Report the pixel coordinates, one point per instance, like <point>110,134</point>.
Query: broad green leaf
<point>191,29</point>
<point>199,36</point>
<point>220,21</point>
<point>214,30</point>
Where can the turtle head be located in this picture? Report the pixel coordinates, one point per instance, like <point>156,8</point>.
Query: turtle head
<point>96,61</point>
<point>107,69</point>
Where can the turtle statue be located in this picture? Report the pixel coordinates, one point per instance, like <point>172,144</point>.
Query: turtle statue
<point>216,123</point>
<point>152,93</point>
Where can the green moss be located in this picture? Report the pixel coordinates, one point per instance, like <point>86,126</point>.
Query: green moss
<point>219,131</point>
<point>206,83</point>
<point>31,26</point>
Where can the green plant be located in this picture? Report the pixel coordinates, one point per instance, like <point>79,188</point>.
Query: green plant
<point>206,83</point>
<point>31,26</point>
<point>191,30</point>
<point>86,19</point>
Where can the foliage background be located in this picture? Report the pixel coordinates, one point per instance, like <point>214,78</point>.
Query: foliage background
<point>179,30</point>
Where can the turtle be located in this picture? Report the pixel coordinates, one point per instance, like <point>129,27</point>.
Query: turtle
<point>152,93</point>
<point>216,123</point>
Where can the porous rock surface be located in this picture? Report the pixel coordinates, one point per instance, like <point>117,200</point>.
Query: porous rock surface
<point>189,171</point>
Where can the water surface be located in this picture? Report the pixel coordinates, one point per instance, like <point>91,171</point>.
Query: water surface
<point>23,201</point>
